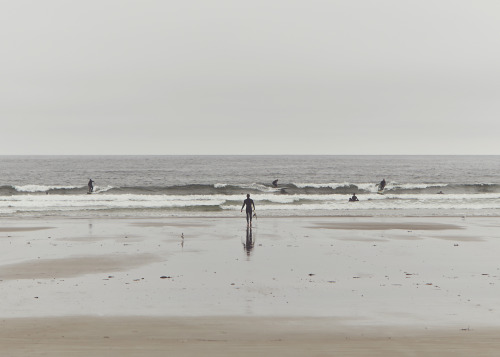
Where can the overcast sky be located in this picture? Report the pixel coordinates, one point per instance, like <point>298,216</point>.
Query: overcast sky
<point>250,77</point>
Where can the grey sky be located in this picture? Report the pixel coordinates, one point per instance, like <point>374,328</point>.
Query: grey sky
<point>250,77</point>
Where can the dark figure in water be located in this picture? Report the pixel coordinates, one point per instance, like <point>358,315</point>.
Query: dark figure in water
<point>382,184</point>
<point>249,203</point>
<point>353,198</point>
<point>91,186</point>
<point>275,183</point>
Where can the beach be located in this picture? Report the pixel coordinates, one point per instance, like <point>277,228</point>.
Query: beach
<point>320,286</point>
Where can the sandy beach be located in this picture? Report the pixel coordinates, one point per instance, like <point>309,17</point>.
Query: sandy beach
<point>317,286</point>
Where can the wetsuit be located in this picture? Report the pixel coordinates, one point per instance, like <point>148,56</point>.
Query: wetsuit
<point>249,203</point>
<point>91,186</point>
<point>382,185</point>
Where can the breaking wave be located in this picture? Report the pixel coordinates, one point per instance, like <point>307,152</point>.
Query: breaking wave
<point>258,188</point>
<point>226,199</point>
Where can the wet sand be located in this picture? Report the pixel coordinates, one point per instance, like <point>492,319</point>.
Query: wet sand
<point>349,286</point>
<point>231,336</point>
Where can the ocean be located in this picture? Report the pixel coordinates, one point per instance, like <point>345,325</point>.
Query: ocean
<point>162,186</point>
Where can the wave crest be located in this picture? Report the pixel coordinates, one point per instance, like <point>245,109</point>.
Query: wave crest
<point>259,188</point>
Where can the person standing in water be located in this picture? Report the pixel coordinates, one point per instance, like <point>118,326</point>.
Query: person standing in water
<point>249,203</point>
<point>381,185</point>
<point>91,186</point>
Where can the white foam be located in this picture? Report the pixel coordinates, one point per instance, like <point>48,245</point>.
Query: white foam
<point>332,185</point>
<point>98,189</point>
<point>299,203</point>
<point>410,186</point>
<point>42,188</point>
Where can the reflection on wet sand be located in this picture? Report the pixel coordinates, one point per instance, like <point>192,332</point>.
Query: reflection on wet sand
<point>249,241</point>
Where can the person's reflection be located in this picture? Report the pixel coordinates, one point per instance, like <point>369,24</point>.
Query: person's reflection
<point>249,242</point>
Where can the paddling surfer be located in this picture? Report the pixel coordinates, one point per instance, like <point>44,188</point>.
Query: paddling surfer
<point>249,203</point>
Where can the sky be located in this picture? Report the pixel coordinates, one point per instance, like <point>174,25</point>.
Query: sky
<point>323,77</point>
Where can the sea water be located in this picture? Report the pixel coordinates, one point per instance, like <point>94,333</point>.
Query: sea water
<point>160,186</point>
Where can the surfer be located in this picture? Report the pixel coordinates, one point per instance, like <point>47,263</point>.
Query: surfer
<point>381,186</point>
<point>275,183</point>
<point>91,185</point>
<point>353,198</point>
<point>249,203</point>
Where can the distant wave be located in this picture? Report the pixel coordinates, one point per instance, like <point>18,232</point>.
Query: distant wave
<point>445,188</point>
<point>41,188</point>
<point>258,188</point>
<point>48,189</point>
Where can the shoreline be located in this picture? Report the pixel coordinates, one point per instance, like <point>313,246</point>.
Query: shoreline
<point>239,217</point>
